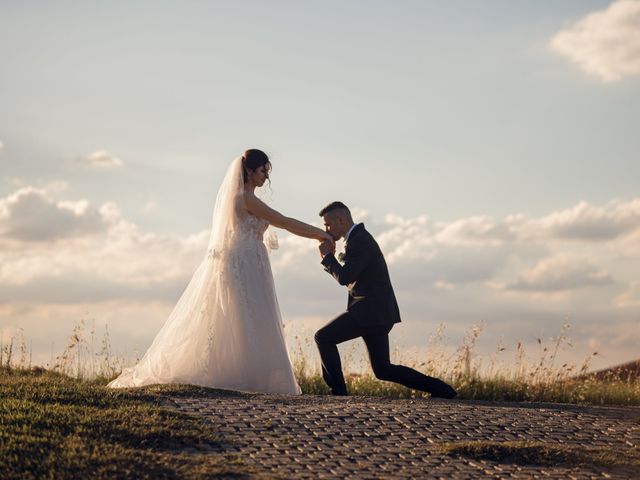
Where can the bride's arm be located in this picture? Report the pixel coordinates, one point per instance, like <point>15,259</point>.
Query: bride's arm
<point>260,209</point>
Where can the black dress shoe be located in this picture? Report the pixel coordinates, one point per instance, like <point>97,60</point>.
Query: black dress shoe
<point>447,393</point>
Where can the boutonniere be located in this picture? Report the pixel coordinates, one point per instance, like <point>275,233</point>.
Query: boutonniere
<point>341,256</point>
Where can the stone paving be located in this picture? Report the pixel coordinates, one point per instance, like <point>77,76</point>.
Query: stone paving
<point>312,436</point>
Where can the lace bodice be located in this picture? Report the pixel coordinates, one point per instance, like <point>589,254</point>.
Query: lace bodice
<point>248,235</point>
<point>251,226</point>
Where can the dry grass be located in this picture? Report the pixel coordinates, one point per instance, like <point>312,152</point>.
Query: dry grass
<point>85,356</point>
<point>543,454</point>
<point>517,379</point>
<point>544,379</point>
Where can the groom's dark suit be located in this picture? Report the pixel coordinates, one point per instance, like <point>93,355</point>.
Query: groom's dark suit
<point>372,310</point>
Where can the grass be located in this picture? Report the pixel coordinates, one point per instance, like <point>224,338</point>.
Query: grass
<point>518,381</point>
<point>54,426</point>
<point>542,454</point>
<point>579,392</point>
<point>62,422</point>
<point>515,379</point>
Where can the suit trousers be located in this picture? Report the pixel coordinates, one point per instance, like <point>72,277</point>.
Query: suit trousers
<point>376,338</point>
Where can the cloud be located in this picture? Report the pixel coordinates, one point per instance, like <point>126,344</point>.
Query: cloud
<point>1,146</point>
<point>581,222</point>
<point>30,215</point>
<point>420,237</point>
<point>101,262</point>
<point>604,44</point>
<point>101,159</point>
<point>149,206</point>
<point>55,187</point>
<point>474,231</point>
<point>610,338</point>
<point>408,239</point>
<point>560,273</point>
<point>69,251</point>
<point>630,297</point>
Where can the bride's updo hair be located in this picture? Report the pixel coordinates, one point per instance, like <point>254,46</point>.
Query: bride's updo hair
<point>253,159</point>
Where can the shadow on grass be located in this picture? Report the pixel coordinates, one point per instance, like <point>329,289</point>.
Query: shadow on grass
<point>543,454</point>
<point>611,412</point>
<point>53,426</point>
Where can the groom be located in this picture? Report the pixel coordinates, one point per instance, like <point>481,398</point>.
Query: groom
<point>371,310</point>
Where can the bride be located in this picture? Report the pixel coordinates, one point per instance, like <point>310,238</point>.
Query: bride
<point>226,330</point>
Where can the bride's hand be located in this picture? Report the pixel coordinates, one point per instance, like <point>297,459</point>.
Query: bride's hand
<point>327,238</point>
<point>326,247</point>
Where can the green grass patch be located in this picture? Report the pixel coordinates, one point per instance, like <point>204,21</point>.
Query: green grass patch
<point>53,426</point>
<point>542,454</point>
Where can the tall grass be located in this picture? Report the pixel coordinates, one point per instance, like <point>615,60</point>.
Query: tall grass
<point>518,378</point>
<point>85,356</point>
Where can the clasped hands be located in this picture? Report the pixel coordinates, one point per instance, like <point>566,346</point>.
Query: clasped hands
<point>327,246</point>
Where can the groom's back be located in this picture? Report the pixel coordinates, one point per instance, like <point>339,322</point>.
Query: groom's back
<point>371,296</point>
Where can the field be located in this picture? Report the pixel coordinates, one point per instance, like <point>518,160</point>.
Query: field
<point>62,422</point>
<point>54,426</point>
<point>542,380</point>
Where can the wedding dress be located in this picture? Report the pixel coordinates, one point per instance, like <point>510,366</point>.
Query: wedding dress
<point>226,329</point>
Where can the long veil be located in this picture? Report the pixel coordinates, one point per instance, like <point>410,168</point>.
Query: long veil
<point>182,349</point>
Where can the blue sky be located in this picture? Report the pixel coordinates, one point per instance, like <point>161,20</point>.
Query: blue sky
<point>410,109</point>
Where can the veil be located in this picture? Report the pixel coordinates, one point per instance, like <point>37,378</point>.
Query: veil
<point>225,212</point>
<point>182,350</point>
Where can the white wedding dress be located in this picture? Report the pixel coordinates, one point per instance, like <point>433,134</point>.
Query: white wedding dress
<point>226,329</point>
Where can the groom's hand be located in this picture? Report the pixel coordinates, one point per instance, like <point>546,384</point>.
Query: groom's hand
<point>327,247</point>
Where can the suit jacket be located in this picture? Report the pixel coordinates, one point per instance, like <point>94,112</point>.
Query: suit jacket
<point>371,299</point>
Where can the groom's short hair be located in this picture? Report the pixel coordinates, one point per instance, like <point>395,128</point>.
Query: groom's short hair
<point>333,206</point>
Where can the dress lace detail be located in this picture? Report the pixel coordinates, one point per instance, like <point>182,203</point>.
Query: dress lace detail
<point>226,329</point>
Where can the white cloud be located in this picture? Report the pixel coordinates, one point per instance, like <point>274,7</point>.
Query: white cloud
<point>1,146</point>
<point>71,251</point>
<point>31,215</point>
<point>408,239</point>
<point>630,297</point>
<point>54,187</point>
<point>441,271</point>
<point>149,206</point>
<point>444,285</point>
<point>560,273</point>
<point>101,159</point>
<point>606,43</point>
<point>50,187</point>
<point>582,222</point>
<point>474,231</point>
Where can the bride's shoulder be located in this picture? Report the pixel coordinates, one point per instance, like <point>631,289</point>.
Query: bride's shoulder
<point>251,201</point>
<point>247,202</point>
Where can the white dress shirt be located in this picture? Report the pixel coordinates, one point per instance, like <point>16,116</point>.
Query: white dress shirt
<point>346,235</point>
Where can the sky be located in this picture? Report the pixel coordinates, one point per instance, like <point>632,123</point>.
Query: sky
<point>491,147</point>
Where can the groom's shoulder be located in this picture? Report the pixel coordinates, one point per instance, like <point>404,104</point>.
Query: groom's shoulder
<point>357,231</point>
<point>361,235</point>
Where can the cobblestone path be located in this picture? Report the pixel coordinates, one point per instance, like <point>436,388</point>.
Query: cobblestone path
<point>365,437</point>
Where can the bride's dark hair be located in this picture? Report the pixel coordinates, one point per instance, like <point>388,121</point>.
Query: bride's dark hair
<point>253,159</point>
